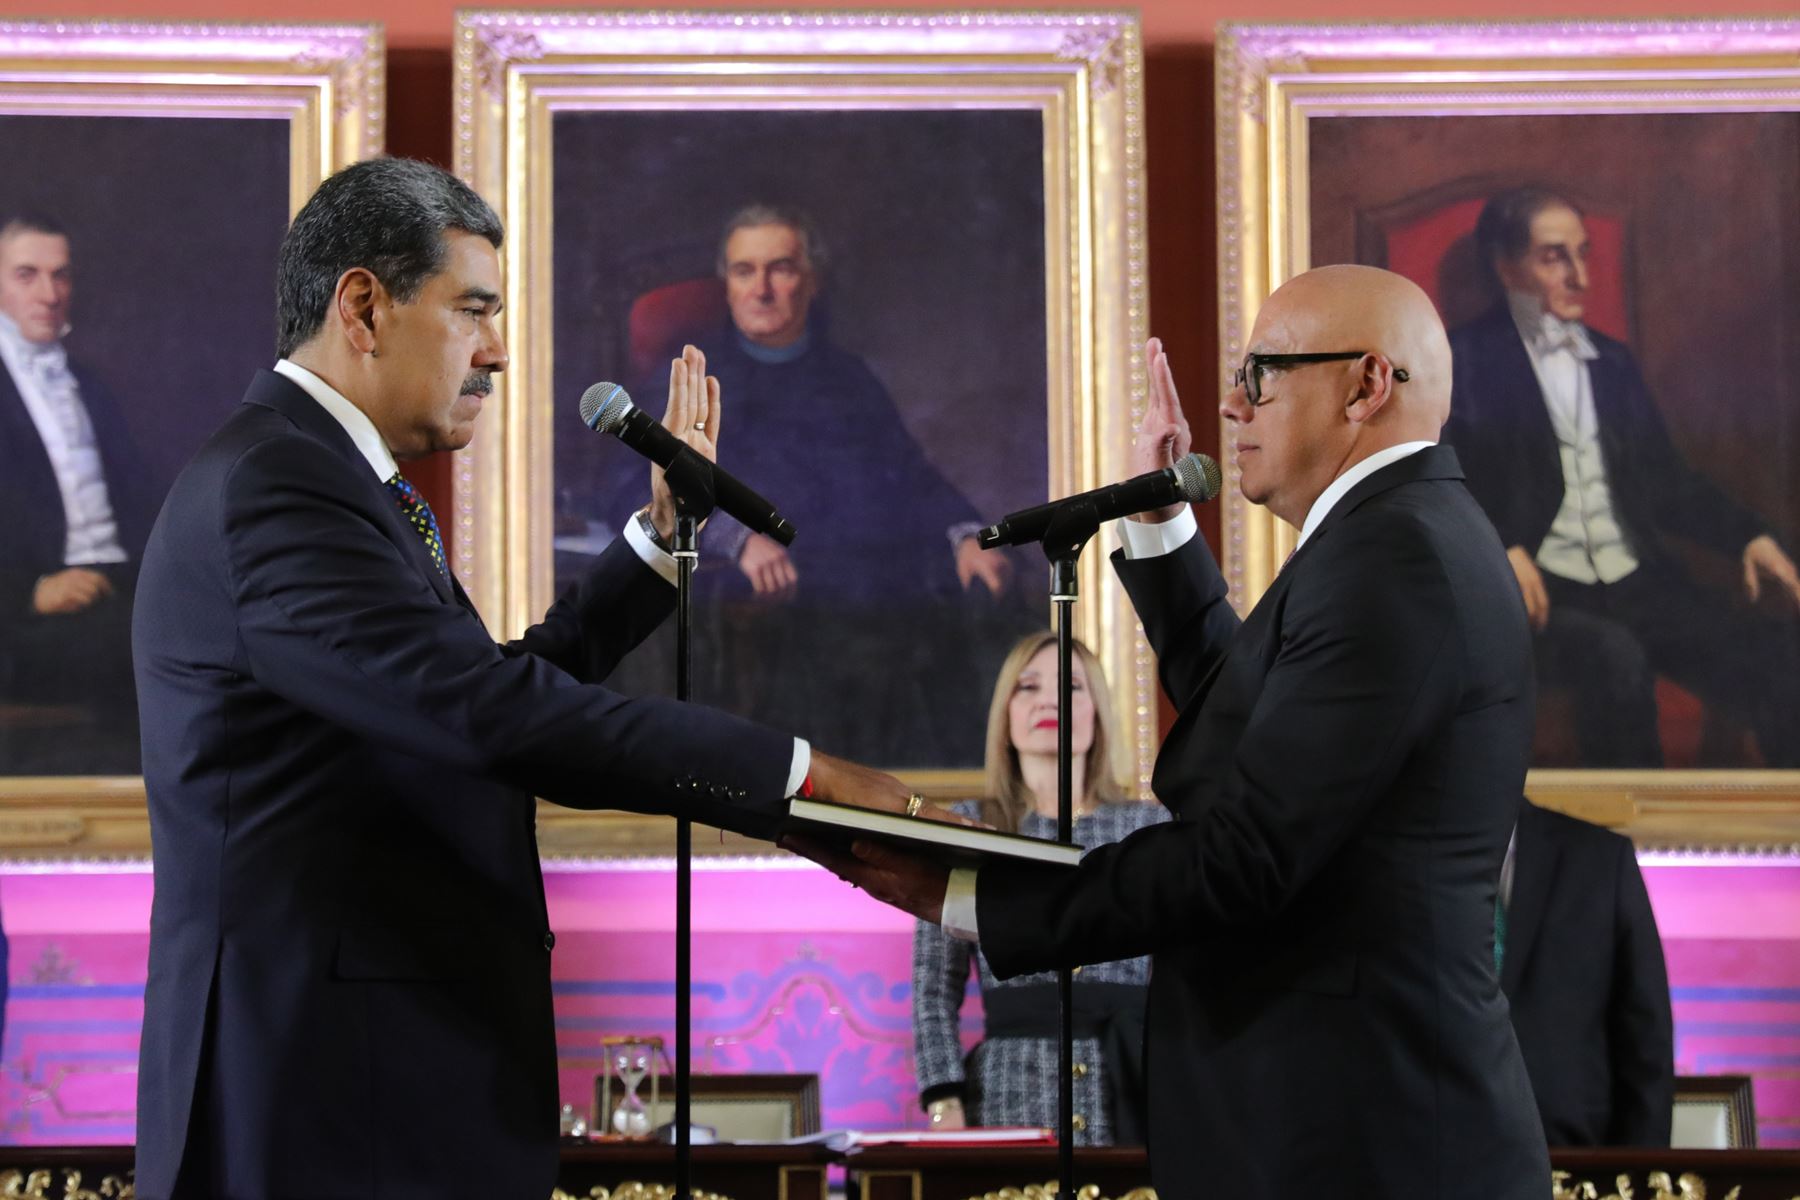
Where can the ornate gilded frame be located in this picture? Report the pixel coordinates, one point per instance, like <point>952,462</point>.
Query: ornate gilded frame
<point>1273,79</point>
<point>327,82</point>
<point>1080,70</point>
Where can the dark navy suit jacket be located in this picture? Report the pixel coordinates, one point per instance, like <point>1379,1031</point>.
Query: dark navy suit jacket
<point>1589,990</point>
<point>1344,772</point>
<point>1502,433</point>
<point>349,986</point>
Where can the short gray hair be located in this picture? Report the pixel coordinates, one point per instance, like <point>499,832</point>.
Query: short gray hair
<point>752,215</point>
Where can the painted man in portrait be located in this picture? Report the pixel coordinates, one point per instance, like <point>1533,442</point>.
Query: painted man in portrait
<point>1567,452</point>
<point>73,527</point>
<point>879,594</point>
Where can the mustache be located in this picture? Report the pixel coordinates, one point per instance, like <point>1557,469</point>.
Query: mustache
<point>479,383</point>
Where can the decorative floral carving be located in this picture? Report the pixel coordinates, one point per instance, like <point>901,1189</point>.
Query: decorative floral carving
<point>38,1185</point>
<point>1048,1191</point>
<point>494,51</point>
<point>1102,49</point>
<point>1564,1186</point>
<point>631,1189</point>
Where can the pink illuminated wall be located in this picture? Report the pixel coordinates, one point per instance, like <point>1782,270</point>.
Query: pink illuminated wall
<point>793,972</point>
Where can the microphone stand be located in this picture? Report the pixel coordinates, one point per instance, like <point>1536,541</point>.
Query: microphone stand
<point>690,480</point>
<point>1063,540</point>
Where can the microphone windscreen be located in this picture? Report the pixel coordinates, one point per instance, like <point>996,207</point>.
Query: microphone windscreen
<point>1198,477</point>
<point>605,406</point>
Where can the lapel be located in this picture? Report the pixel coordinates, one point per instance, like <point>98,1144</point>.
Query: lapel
<point>1435,462</point>
<point>1534,866</point>
<point>1511,374</point>
<point>287,398</point>
<point>26,454</point>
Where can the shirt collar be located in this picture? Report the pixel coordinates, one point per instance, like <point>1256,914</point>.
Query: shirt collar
<point>1343,483</point>
<point>355,421</point>
<point>774,356</point>
<point>23,350</point>
<point>1545,332</point>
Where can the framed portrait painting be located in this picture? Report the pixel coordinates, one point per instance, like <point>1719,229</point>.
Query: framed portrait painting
<point>1607,217</point>
<point>911,248</point>
<point>136,260</point>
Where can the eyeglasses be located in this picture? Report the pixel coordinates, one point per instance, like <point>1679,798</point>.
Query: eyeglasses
<point>1249,375</point>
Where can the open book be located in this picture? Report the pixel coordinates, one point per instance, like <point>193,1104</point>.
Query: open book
<point>952,845</point>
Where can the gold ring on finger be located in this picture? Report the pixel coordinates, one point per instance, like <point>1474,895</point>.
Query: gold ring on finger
<point>700,426</point>
<point>914,803</point>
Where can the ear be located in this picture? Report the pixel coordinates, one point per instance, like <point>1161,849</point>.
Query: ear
<point>358,296</point>
<point>1374,388</point>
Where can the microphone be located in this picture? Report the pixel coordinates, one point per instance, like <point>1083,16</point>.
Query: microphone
<point>607,408</point>
<point>1194,478</point>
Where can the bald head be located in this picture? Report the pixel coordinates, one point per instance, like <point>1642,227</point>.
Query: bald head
<point>1314,420</point>
<point>1349,307</point>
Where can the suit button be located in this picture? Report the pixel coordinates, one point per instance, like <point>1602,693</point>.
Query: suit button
<point>1079,1123</point>
<point>549,941</point>
<point>741,793</point>
<point>1080,1070</point>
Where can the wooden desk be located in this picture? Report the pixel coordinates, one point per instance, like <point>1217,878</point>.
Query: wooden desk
<point>962,1172</point>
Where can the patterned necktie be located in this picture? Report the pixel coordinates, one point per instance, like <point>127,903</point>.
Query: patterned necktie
<point>418,514</point>
<point>1499,933</point>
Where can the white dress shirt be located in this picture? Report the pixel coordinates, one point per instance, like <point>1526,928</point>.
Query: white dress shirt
<point>1585,542</point>
<point>40,370</point>
<point>1141,539</point>
<point>375,451</point>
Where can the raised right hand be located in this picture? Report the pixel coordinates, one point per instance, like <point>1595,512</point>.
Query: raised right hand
<point>1531,586</point>
<point>766,563</point>
<point>69,590</point>
<point>1162,433</point>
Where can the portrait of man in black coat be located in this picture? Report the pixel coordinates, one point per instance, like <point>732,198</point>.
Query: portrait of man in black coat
<point>1571,459</point>
<point>74,528</point>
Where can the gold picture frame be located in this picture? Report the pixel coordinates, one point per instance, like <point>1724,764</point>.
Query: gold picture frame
<point>326,82</point>
<point>1080,72</point>
<point>1275,81</point>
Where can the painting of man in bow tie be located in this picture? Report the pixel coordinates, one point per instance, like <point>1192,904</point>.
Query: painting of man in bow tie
<point>1567,451</point>
<point>69,544</point>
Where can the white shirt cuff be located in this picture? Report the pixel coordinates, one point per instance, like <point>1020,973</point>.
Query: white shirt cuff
<point>801,765</point>
<point>657,559</point>
<point>1145,540</point>
<point>958,917</point>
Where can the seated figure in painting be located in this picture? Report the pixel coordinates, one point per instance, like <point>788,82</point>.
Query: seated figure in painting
<point>1567,453</point>
<point>73,529</point>
<point>1582,966</point>
<point>1011,1075</point>
<point>884,594</point>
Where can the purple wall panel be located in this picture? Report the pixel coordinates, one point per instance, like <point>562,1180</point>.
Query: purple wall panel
<point>793,972</point>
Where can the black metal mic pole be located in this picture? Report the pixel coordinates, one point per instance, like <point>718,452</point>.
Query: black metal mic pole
<point>1063,540</point>
<point>690,482</point>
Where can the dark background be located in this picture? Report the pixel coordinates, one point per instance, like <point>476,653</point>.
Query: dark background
<point>934,227</point>
<point>173,224</point>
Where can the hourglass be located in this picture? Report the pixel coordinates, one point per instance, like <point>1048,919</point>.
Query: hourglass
<point>620,1107</point>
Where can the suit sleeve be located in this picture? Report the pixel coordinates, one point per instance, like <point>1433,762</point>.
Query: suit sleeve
<point>940,973</point>
<point>335,619</point>
<point>1367,668</point>
<point>1641,1028</point>
<point>1181,599</point>
<point>601,617</point>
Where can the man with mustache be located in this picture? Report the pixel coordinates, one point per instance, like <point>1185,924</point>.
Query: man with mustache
<point>349,986</point>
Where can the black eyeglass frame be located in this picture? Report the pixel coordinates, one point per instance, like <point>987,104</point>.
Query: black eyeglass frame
<point>1249,373</point>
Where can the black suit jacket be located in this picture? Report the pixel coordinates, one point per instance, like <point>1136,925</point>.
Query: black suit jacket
<point>349,986</point>
<point>34,533</point>
<point>1344,773</point>
<point>1502,434</point>
<point>1584,973</point>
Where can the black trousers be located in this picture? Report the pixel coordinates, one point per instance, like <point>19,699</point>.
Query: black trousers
<point>1607,643</point>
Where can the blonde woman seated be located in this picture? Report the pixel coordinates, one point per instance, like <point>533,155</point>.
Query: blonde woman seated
<point>1011,1076</point>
